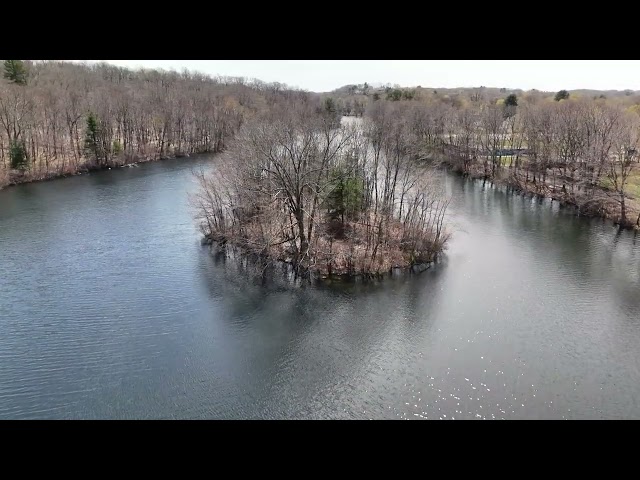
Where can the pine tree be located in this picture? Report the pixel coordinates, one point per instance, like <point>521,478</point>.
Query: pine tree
<point>116,148</point>
<point>330,105</point>
<point>91,139</point>
<point>18,155</point>
<point>510,105</point>
<point>511,100</point>
<point>15,71</point>
<point>346,196</point>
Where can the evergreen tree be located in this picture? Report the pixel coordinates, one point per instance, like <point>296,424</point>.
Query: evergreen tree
<point>15,71</point>
<point>346,195</point>
<point>511,100</point>
<point>332,111</point>
<point>394,95</point>
<point>408,94</point>
<point>18,155</point>
<point>509,105</point>
<point>561,95</point>
<point>330,105</point>
<point>116,148</point>
<point>91,139</point>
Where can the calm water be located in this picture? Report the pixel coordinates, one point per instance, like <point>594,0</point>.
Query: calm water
<point>111,308</point>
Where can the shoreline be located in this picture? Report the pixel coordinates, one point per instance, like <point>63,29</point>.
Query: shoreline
<point>531,189</point>
<point>317,275</point>
<point>86,171</point>
<point>524,189</point>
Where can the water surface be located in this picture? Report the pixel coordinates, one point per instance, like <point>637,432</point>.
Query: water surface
<point>111,308</point>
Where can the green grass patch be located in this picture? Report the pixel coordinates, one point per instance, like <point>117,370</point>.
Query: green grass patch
<point>507,160</point>
<point>633,183</point>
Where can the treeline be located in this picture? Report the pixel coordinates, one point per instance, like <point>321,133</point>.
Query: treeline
<point>60,118</point>
<point>460,97</point>
<point>582,151</point>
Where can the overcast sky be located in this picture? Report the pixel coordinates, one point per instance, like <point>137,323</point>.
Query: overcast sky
<point>326,75</point>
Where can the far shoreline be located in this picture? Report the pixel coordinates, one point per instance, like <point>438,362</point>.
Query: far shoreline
<point>475,174</point>
<point>104,168</point>
<point>528,189</point>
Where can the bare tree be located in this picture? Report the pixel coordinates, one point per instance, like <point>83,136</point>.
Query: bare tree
<point>622,162</point>
<point>142,115</point>
<point>288,175</point>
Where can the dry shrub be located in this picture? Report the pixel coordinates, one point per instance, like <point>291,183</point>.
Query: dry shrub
<point>4,176</point>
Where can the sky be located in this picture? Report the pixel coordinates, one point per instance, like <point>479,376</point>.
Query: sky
<point>326,75</point>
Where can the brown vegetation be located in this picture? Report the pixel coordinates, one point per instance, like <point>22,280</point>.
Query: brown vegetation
<point>580,150</point>
<point>138,116</point>
<point>330,199</point>
<point>296,185</point>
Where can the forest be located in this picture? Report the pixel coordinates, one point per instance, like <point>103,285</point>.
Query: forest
<point>63,118</point>
<point>580,148</point>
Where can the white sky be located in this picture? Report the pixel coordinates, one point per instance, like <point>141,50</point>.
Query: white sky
<point>326,75</point>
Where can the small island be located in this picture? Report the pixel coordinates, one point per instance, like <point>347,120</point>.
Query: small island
<point>330,198</point>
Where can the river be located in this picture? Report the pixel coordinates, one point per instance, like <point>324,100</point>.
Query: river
<point>111,308</point>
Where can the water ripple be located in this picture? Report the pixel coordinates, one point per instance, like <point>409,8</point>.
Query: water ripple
<point>110,308</point>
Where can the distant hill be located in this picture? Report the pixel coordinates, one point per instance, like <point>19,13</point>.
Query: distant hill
<point>359,89</point>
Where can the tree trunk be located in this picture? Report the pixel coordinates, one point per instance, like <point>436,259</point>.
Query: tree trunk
<point>623,211</point>
<point>304,244</point>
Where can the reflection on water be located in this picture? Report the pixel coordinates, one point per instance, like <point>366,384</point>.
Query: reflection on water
<point>111,308</point>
